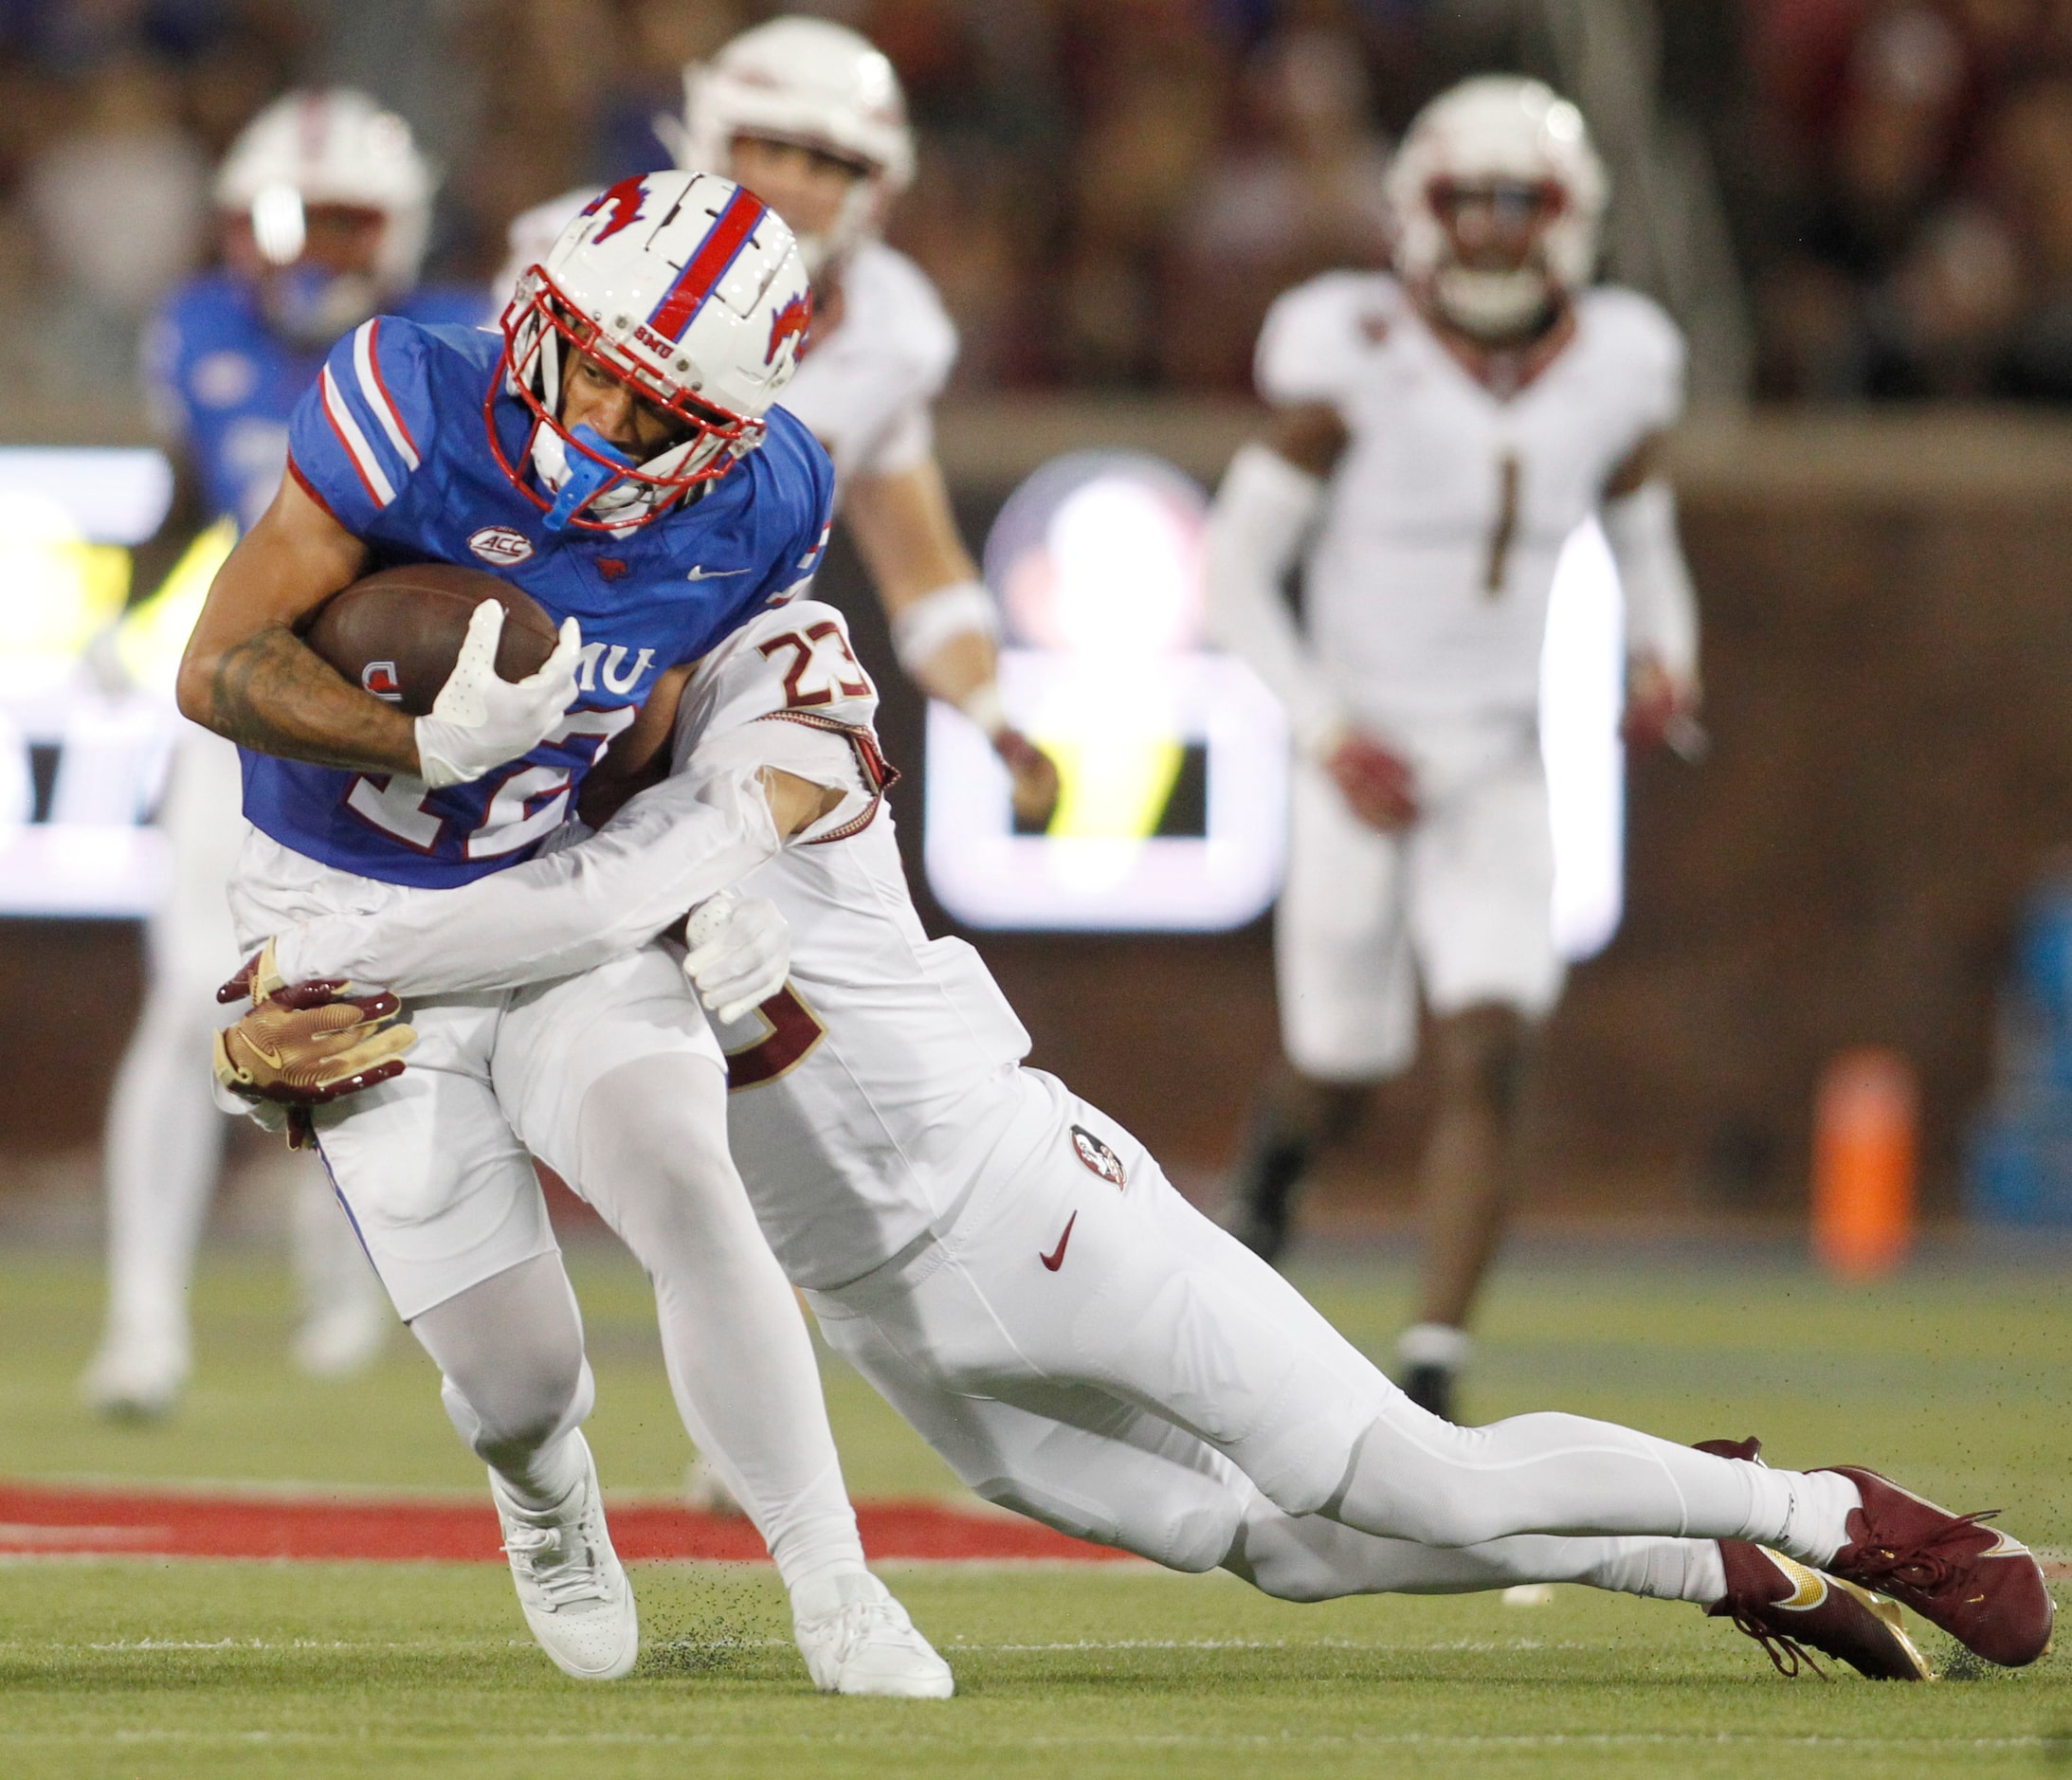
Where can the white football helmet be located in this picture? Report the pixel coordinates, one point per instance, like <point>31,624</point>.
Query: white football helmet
<point>1497,130</point>
<point>808,82</point>
<point>328,146</point>
<point>690,292</point>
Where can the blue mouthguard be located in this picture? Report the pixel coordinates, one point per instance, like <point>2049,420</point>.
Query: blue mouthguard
<point>585,474</point>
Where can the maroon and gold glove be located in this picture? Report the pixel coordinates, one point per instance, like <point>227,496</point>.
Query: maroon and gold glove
<point>306,1045</point>
<point>1035,777</point>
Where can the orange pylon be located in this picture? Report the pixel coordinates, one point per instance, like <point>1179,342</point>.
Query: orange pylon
<point>1864,1148</point>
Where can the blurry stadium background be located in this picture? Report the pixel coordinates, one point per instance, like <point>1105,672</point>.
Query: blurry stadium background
<point>1861,209</point>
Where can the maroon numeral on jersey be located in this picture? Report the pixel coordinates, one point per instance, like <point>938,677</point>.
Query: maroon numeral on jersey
<point>796,695</point>
<point>794,1030</point>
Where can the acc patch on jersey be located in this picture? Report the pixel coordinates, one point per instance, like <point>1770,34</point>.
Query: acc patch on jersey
<point>500,545</point>
<point>1097,1158</point>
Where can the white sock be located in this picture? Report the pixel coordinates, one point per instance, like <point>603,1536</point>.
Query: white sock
<point>547,1478</point>
<point>1803,1513</point>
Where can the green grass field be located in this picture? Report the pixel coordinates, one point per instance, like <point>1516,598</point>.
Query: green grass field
<point>1956,1380</point>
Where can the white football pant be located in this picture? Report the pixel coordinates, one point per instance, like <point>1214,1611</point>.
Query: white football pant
<point>1106,1360</point>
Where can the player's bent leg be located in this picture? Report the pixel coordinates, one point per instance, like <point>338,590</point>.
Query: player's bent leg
<point>164,1149</point>
<point>517,1389</point>
<point>1468,1181</point>
<point>652,1157</point>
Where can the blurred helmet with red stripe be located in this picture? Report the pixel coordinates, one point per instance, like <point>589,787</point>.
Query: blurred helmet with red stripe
<point>689,292</point>
<point>815,85</point>
<point>1498,200</point>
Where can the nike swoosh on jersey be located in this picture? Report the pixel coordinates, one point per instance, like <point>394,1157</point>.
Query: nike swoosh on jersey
<point>1056,1258</point>
<point>699,573</point>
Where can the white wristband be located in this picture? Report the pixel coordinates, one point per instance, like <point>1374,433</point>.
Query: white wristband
<point>964,608</point>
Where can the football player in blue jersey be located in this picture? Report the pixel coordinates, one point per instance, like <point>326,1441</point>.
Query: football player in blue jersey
<point>616,455</point>
<point>324,204</point>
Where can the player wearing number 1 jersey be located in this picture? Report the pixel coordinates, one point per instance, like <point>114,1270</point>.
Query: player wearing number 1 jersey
<point>615,455</point>
<point>1013,1272</point>
<point>1440,434</point>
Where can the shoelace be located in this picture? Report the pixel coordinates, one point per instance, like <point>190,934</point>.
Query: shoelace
<point>856,1622</point>
<point>1921,1565</point>
<point>1785,1652</point>
<point>574,1577</point>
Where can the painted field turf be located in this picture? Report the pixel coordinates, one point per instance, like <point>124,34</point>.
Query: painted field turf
<point>1958,1380</point>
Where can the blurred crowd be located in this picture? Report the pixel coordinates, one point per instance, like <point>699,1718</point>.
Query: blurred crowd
<point>1913,165</point>
<point>1110,191</point>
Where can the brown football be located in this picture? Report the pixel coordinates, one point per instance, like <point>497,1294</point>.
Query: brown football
<point>397,633</point>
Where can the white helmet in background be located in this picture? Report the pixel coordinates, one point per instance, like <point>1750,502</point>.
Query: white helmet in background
<point>688,290</point>
<point>817,84</point>
<point>329,146</point>
<point>1501,132</point>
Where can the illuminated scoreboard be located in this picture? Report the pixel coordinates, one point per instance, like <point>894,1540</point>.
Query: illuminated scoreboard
<point>1173,757</point>
<point>87,718</point>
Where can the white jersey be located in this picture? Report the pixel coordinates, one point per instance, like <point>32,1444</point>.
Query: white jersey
<point>867,1092</point>
<point>1426,585</point>
<point>865,386</point>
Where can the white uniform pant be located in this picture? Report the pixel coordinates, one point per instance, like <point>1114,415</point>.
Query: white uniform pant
<point>435,1167</point>
<point>1105,1359</point>
<point>1462,901</point>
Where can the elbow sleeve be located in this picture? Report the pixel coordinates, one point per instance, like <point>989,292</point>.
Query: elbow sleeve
<point>1661,603</point>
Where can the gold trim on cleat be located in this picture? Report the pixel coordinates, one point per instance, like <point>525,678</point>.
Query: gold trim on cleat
<point>1894,1618</point>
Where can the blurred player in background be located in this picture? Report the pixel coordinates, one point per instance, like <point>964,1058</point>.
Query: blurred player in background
<point>324,202</point>
<point>809,117</point>
<point>1439,435</point>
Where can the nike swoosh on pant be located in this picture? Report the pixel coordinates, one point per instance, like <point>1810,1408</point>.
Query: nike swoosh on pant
<point>1056,1259</point>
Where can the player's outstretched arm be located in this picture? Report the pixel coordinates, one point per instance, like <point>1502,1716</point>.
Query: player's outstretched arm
<point>668,849</point>
<point>248,676</point>
<point>943,628</point>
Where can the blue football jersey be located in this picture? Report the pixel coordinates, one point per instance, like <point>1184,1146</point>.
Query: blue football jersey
<point>223,384</point>
<point>394,439</point>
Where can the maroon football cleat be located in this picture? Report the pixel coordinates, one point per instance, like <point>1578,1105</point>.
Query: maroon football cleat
<point>1791,1610</point>
<point>1981,1587</point>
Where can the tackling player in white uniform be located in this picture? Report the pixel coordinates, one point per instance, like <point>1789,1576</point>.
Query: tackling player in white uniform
<point>1014,1273</point>
<point>1439,435</point>
<point>809,117</point>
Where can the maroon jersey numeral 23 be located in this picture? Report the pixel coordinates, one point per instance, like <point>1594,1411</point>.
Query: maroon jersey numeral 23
<point>796,695</point>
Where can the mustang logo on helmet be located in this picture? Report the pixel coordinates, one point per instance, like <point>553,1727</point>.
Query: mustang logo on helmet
<point>625,199</point>
<point>790,323</point>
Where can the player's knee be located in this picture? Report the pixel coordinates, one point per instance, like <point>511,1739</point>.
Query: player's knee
<point>1483,1054</point>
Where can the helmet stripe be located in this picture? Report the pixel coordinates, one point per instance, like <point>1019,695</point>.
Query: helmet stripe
<point>703,270</point>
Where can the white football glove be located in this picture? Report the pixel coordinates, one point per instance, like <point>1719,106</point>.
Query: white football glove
<point>740,952</point>
<point>480,719</point>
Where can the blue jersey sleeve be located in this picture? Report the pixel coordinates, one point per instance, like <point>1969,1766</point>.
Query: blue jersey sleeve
<point>361,430</point>
<point>796,564</point>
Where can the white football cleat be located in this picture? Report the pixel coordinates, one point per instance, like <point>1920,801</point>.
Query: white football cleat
<point>576,1595</point>
<point>856,1638</point>
<point>136,1379</point>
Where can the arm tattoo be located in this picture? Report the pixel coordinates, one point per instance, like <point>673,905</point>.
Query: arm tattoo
<point>273,693</point>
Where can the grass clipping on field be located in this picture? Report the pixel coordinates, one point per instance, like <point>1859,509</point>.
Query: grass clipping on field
<point>700,1621</point>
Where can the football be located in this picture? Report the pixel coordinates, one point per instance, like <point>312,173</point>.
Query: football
<point>397,633</point>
